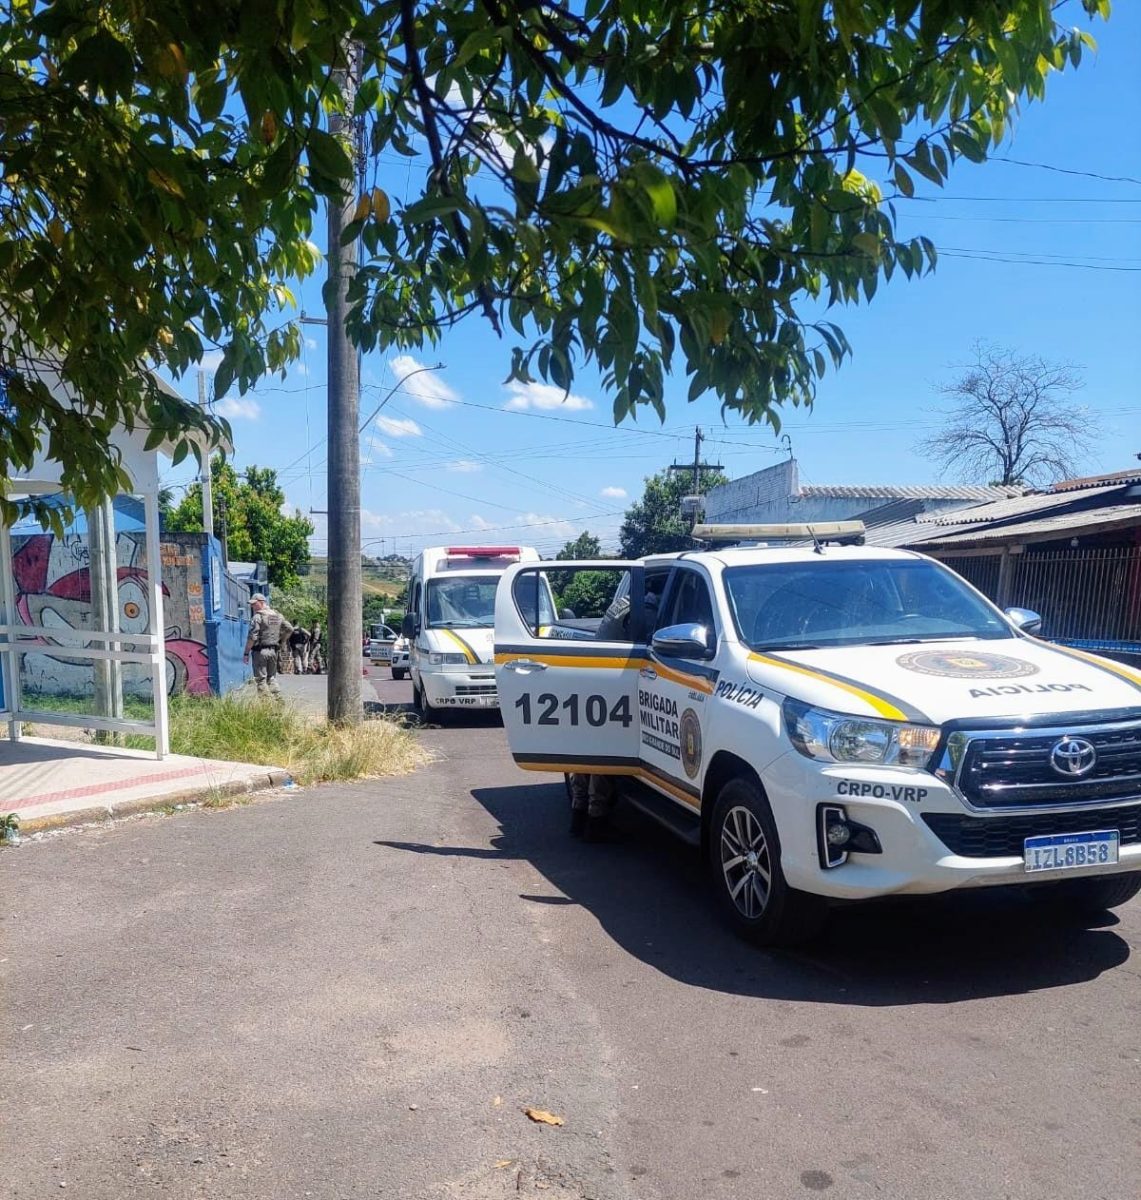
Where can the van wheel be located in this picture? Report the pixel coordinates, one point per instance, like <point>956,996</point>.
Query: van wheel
<point>398,675</point>
<point>425,710</point>
<point>744,862</point>
<point>1094,895</point>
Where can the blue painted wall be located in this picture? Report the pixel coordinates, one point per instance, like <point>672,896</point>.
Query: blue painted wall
<point>227,620</point>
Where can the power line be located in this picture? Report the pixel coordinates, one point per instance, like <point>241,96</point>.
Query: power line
<point>1019,162</point>
<point>985,256</point>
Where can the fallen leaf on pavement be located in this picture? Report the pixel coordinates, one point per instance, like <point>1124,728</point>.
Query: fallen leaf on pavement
<point>543,1117</point>
<point>503,1162</point>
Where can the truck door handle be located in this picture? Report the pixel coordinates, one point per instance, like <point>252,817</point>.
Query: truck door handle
<point>524,665</point>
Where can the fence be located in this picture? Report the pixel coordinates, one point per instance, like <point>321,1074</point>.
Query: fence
<point>1088,597</point>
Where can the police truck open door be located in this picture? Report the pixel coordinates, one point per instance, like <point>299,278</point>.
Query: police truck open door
<point>557,682</point>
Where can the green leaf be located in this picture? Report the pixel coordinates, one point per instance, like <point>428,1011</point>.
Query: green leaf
<point>430,208</point>
<point>328,155</point>
<point>658,187</point>
<point>482,39</point>
<point>903,181</point>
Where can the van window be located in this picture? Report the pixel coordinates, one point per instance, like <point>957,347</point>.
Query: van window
<point>461,601</point>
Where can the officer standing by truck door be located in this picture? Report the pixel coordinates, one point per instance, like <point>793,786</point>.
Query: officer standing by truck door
<point>268,629</point>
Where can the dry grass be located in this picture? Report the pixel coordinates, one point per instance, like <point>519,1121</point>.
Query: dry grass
<point>253,730</point>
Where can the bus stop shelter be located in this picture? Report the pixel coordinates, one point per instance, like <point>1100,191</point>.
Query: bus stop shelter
<point>99,643</point>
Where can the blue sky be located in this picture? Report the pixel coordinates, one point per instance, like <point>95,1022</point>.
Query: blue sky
<point>1033,259</point>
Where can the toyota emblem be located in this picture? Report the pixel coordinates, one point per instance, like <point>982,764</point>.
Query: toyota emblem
<point>1073,757</point>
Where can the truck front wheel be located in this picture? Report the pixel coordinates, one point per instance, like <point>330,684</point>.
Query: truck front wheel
<point>744,862</point>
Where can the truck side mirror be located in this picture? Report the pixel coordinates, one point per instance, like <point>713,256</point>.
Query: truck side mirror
<point>683,641</point>
<point>1026,619</point>
<point>409,626</point>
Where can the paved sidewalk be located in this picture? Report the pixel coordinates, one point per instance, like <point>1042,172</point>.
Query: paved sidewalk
<point>50,783</point>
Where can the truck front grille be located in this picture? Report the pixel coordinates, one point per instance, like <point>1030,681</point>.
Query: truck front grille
<point>1014,770</point>
<point>1002,837</point>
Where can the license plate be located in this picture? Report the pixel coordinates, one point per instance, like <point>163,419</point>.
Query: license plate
<point>1070,851</point>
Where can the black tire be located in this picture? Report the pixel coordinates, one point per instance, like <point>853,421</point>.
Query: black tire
<point>398,675</point>
<point>1095,895</point>
<point>426,711</point>
<point>744,865</point>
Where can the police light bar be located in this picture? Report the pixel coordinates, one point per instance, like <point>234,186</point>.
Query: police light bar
<point>482,552</point>
<point>817,531</point>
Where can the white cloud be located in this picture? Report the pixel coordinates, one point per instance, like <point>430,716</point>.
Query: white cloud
<point>238,408</point>
<point>613,493</point>
<point>299,368</point>
<point>211,361</point>
<point>428,388</point>
<point>544,395</point>
<point>464,466</point>
<point>375,448</point>
<point>399,427</point>
<point>311,343</point>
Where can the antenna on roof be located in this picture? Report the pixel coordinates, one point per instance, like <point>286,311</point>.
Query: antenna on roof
<point>817,545</point>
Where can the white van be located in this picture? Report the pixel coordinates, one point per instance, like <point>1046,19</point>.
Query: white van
<point>450,624</point>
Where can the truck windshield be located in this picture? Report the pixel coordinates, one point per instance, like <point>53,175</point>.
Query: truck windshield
<point>802,605</point>
<point>462,601</point>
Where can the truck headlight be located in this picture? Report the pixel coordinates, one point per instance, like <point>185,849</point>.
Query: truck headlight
<point>440,659</point>
<point>836,737</point>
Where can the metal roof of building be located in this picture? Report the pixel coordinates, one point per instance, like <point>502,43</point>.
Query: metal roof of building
<point>1042,528</point>
<point>1117,477</point>
<point>912,491</point>
<point>1016,506</point>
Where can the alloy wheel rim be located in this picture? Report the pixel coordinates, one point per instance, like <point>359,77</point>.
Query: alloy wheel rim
<point>746,862</point>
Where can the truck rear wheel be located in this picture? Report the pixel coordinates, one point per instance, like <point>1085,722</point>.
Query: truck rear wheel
<point>1094,895</point>
<point>744,862</point>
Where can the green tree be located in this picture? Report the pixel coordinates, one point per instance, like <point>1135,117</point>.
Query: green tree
<point>654,524</point>
<point>256,528</point>
<point>585,593</point>
<point>586,545</point>
<point>648,186</point>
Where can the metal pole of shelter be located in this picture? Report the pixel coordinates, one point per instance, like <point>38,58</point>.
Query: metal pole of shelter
<point>158,626</point>
<point>9,663</point>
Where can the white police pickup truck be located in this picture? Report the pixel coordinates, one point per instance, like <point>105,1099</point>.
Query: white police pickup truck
<point>834,722</point>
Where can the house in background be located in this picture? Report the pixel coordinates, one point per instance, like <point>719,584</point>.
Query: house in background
<point>775,495</point>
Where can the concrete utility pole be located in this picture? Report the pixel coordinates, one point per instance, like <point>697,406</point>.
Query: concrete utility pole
<point>692,505</point>
<point>205,476</point>
<point>697,466</point>
<point>344,480</point>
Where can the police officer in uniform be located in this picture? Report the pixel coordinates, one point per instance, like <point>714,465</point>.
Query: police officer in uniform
<point>268,629</point>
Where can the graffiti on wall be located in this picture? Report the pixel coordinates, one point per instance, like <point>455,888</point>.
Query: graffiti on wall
<point>53,592</point>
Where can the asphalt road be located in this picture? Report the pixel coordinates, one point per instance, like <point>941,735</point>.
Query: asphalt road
<point>354,991</point>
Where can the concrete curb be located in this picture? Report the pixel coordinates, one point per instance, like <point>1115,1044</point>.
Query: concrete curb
<point>272,777</point>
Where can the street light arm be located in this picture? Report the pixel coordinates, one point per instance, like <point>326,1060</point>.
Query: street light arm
<point>393,390</point>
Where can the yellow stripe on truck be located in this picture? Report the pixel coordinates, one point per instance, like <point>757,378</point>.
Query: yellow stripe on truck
<point>555,660</point>
<point>884,707</point>
<point>1106,664</point>
<point>469,654</point>
<point>697,682</point>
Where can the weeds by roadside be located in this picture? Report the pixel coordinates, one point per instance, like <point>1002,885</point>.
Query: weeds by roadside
<point>253,730</point>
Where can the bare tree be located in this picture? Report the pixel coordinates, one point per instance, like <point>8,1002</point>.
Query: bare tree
<point>1012,420</point>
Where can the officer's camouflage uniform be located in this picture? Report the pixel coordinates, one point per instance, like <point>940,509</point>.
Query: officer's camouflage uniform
<point>268,629</point>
